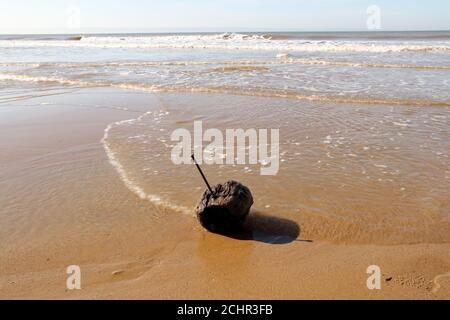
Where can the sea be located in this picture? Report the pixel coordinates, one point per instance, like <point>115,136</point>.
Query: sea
<point>363,119</point>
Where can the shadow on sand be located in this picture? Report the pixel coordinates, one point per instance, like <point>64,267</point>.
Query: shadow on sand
<point>268,229</point>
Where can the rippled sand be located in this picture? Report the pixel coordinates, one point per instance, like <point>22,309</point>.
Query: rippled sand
<point>359,185</point>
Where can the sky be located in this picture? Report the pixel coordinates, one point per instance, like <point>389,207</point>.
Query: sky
<point>84,16</point>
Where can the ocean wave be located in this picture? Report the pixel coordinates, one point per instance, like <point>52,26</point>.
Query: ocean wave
<point>235,41</point>
<point>20,64</point>
<point>259,92</point>
<point>57,80</point>
<point>280,59</point>
<point>55,37</point>
<point>128,181</point>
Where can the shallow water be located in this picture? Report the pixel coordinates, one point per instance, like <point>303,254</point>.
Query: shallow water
<point>364,121</point>
<point>347,172</point>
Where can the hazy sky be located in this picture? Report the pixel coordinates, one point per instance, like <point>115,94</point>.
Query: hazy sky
<point>77,16</point>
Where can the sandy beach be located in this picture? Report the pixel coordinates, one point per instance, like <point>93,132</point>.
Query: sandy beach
<point>63,203</point>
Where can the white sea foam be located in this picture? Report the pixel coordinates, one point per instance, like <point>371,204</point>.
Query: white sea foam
<point>235,42</point>
<point>59,80</point>
<point>129,182</point>
<point>280,59</point>
<point>262,92</point>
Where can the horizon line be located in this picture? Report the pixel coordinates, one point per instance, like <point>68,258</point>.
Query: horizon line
<point>131,31</point>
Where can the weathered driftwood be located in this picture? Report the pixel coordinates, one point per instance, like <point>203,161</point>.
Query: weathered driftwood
<point>226,208</point>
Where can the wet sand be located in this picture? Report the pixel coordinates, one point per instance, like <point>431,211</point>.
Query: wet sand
<point>63,203</point>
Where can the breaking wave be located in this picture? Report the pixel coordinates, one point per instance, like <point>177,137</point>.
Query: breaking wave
<point>259,92</point>
<point>281,59</point>
<point>234,41</point>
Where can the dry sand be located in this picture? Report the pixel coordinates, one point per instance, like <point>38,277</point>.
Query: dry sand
<point>62,204</point>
